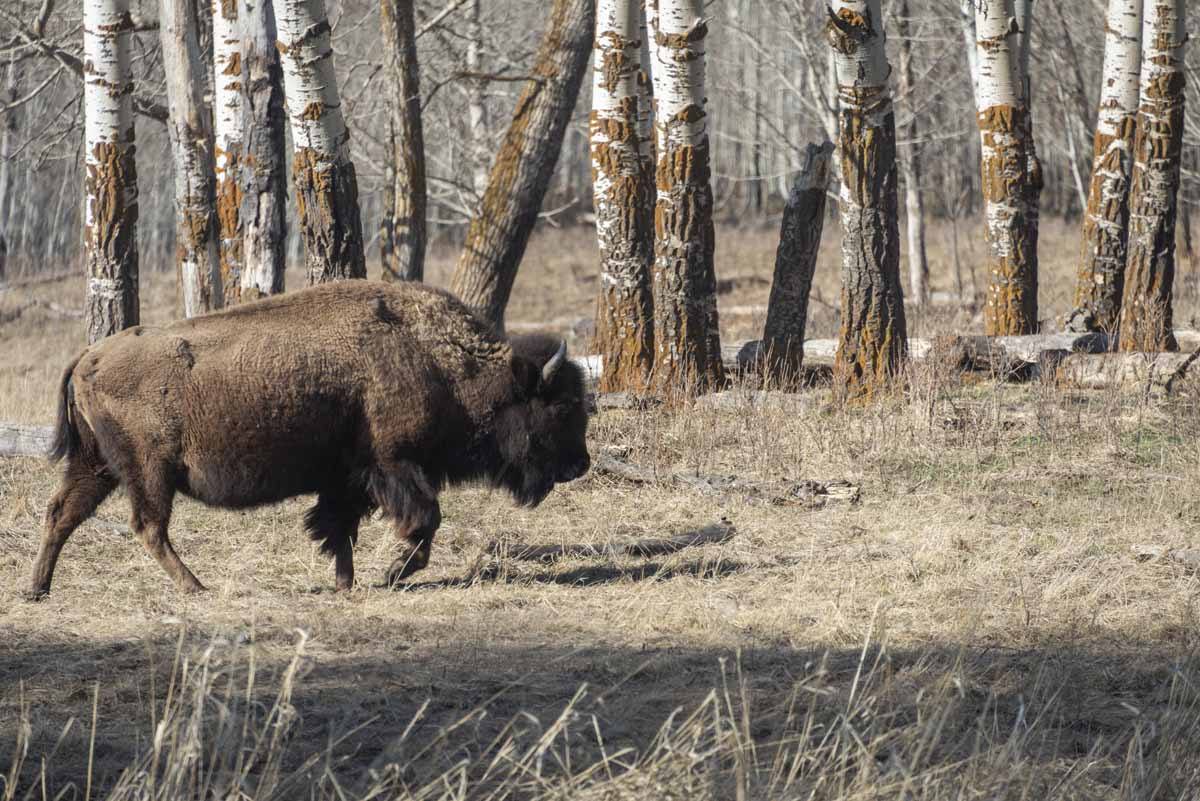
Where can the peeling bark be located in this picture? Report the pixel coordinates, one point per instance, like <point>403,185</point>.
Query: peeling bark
<point>1104,249</point>
<point>623,192</point>
<point>1011,175</point>
<point>263,171</point>
<point>196,254</point>
<point>795,261</point>
<point>524,164</point>
<point>687,340</point>
<point>228,135</point>
<point>1146,313</point>
<point>110,183</point>
<point>402,239</point>
<point>325,182</point>
<point>874,336</point>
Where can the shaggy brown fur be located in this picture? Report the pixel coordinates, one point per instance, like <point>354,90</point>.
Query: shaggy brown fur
<point>370,395</point>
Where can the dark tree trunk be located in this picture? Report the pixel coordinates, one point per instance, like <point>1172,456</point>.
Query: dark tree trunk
<point>795,261</point>
<point>402,240</point>
<point>500,229</point>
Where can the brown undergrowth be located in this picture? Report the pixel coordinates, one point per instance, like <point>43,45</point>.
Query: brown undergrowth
<point>975,625</point>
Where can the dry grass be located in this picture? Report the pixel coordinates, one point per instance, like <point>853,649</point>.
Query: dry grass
<point>975,627</point>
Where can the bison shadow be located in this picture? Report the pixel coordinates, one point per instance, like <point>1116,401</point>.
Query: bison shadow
<point>584,576</point>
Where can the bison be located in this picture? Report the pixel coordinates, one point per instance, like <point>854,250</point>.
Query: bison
<point>369,395</point>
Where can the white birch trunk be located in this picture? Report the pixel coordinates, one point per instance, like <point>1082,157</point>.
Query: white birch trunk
<point>263,170</point>
<point>1105,237</point>
<point>874,334</point>
<point>111,206</point>
<point>686,332</point>
<point>228,91</point>
<point>1146,306</point>
<point>196,253</point>
<point>325,182</point>
<point>476,107</point>
<point>1008,166</point>
<point>623,193</point>
<point>910,168</point>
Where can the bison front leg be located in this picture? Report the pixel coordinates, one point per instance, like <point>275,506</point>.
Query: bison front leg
<point>406,496</point>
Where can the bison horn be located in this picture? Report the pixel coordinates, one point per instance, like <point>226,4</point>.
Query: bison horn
<point>556,361</point>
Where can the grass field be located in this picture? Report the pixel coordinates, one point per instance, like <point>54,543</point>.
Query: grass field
<point>976,625</point>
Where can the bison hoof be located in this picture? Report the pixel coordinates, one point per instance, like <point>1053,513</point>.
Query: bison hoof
<point>35,594</point>
<point>402,568</point>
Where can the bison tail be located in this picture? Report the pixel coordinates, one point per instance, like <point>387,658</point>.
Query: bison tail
<point>66,441</point>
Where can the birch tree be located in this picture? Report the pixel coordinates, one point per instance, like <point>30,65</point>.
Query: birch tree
<point>910,167</point>
<point>623,193</point>
<point>403,237</point>
<point>227,137</point>
<point>874,339</point>
<point>196,253</point>
<point>524,164</point>
<point>1010,180</point>
<point>263,170</point>
<point>1146,315</point>
<point>323,175</point>
<point>687,344</point>
<point>477,118</point>
<point>110,183</point>
<point>1101,275</point>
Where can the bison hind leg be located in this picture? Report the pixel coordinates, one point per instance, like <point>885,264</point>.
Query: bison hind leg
<point>86,482</point>
<point>333,522</point>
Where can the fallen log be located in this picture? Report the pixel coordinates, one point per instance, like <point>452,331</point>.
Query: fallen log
<point>1188,557</point>
<point>1150,372</point>
<point>23,440</point>
<point>1000,355</point>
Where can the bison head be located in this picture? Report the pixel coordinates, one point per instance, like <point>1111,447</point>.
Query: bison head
<point>542,435</point>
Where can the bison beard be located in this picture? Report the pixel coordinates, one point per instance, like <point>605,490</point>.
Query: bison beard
<point>368,395</point>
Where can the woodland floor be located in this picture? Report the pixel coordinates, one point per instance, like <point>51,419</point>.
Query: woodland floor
<point>986,576</point>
